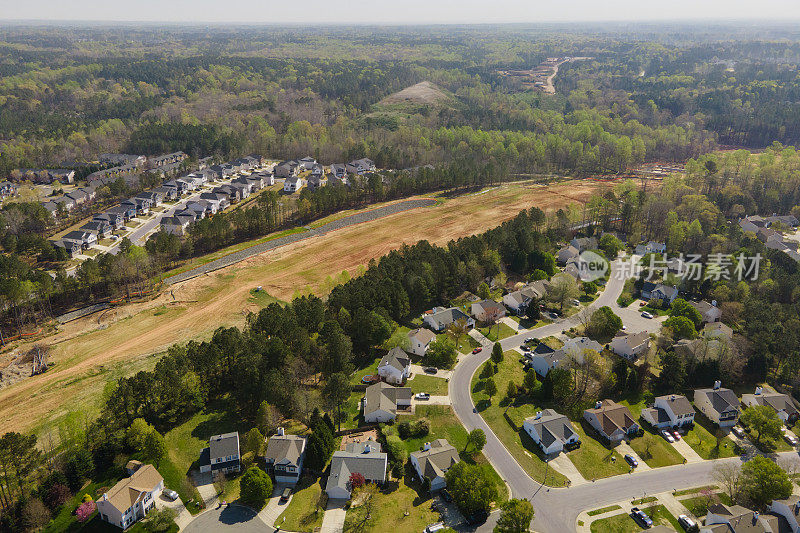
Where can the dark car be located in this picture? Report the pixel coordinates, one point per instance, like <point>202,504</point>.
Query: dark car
<point>639,516</point>
<point>446,496</point>
<point>631,460</point>
<point>285,494</point>
<point>430,370</point>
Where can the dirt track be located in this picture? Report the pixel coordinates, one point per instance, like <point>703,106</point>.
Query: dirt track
<point>87,357</point>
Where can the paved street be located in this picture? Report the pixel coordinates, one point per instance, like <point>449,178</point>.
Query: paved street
<point>230,518</point>
<point>557,509</point>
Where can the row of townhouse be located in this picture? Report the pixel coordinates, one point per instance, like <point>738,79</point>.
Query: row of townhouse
<point>44,176</point>
<point>72,200</point>
<point>290,171</point>
<point>764,230</point>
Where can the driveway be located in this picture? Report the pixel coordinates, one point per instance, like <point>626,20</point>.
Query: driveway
<point>274,508</point>
<point>419,370</point>
<point>205,487</point>
<point>184,516</point>
<point>228,519</point>
<point>333,521</point>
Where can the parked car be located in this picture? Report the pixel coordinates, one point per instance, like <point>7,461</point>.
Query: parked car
<point>438,526</point>
<point>430,370</point>
<point>646,314</point>
<point>446,496</point>
<point>631,460</point>
<point>525,348</point>
<point>575,301</point>
<point>477,350</point>
<point>676,434</point>
<point>667,435</point>
<point>285,494</point>
<point>791,439</point>
<point>423,396</point>
<point>738,431</point>
<point>687,523</point>
<point>170,494</point>
<point>640,517</point>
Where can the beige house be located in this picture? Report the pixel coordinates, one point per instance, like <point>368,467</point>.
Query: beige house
<point>632,346</point>
<point>433,462</point>
<point>382,401</point>
<point>721,406</point>
<point>419,340</point>
<point>612,420</point>
<point>132,498</point>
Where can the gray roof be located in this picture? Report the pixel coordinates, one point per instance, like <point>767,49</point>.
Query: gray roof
<point>384,397</point>
<point>445,317</point>
<point>437,460</point>
<point>365,458</point>
<point>779,402</point>
<point>285,449</point>
<point>490,304</point>
<point>722,400</point>
<point>224,445</point>
<point>396,358</point>
<point>678,404</point>
<point>552,426</point>
<point>423,335</point>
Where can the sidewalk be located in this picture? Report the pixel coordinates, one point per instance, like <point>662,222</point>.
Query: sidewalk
<point>419,370</point>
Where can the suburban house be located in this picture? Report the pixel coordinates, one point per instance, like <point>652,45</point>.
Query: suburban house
<point>72,247</point>
<point>440,318</point>
<point>651,247</point>
<point>234,194</point>
<point>543,358</point>
<point>339,170</point>
<point>737,519</point>
<point>433,462</point>
<point>789,509</point>
<point>584,243</point>
<point>180,186</point>
<point>131,498</point>
<point>127,211</point>
<point>518,301</point>
<point>709,311</point>
<point>630,346</point>
<point>167,193</point>
<point>222,454</point>
<point>199,209</point>
<point>419,340</point>
<point>611,420</point>
<point>717,330</point>
<point>360,166</point>
<point>176,225</point>
<point>721,406</point>
<point>552,431</point>
<point>671,411</point>
<point>140,205</point>
<point>395,366</point>
<point>285,454</point>
<point>382,401</point>
<point>100,228</point>
<point>488,311</point>
<point>566,253</point>
<point>220,200</point>
<point>365,458</point>
<point>286,169</point>
<point>782,404</point>
<point>113,219</point>
<point>790,221</point>
<point>78,196</point>
<point>292,184</point>
<point>154,197</point>
<point>752,223</point>
<point>85,238</point>
<point>659,291</point>
<point>314,182</point>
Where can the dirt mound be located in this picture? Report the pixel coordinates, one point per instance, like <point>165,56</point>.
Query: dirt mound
<point>424,92</point>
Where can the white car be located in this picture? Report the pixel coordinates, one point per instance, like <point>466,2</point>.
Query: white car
<point>686,523</point>
<point>423,396</point>
<point>171,494</point>
<point>667,435</point>
<point>646,314</point>
<point>791,439</point>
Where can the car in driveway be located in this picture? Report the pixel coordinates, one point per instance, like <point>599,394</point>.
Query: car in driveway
<point>667,435</point>
<point>446,496</point>
<point>287,492</point>
<point>423,396</point>
<point>676,434</point>
<point>433,528</point>
<point>738,431</point>
<point>477,350</point>
<point>790,439</point>
<point>430,370</point>
<point>641,518</point>
<point>170,494</point>
<point>631,460</point>
<point>646,314</point>
<point>687,523</point>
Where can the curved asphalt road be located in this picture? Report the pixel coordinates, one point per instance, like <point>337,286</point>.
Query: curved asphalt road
<point>557,510</point>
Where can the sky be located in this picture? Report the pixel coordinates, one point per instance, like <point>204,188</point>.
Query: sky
<point>397,12</point>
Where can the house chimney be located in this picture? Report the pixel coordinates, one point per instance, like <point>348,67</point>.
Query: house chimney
<point>758,390</point>
<point>426,447</point>
<point>598,405</point>
<point>717,384</point>
<point>538,415</point>
<point>713,303</point>
<point>279,432</point>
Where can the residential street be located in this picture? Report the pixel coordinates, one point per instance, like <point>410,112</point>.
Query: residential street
<point>557,509</point>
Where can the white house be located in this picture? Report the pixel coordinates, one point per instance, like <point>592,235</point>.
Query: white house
<point>789,509</point>
<point>292,184</point>
<point>419,340</point>
<point>782,404</point>
<point>630,346</point>
<point>382,401</point>
<point>552,431</point>
<point>488,310</point>
<point>365,458</point>
<point>395,366</point>
<point>433,462</point>
<point>131,498</point>
<point>671,411</point>
<point>440,318</point>
<point>721,406</point>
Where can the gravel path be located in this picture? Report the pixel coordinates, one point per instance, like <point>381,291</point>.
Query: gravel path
<point>72,315</point>
<point>357,218</point>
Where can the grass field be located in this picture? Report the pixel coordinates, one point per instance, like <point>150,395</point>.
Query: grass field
<point>603,510</point>
<point>518,442</point>
<point>592,459</point>
<point>702,440</point>
<point>497,332</point>
<point>304,513</point>
<point>698,505</point>
<point>623,523</point>
<point>92,351</point>
<point>430,384</point>
<point>655,451</point>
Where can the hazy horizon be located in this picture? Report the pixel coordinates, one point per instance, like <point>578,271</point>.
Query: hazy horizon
<point>410,12</point>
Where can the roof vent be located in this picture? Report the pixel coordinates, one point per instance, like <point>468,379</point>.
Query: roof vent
<point>538,415</point>
<point>714,303</point>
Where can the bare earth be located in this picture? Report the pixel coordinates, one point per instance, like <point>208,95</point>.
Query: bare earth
<point>423,92</point>
<point>91,352</point>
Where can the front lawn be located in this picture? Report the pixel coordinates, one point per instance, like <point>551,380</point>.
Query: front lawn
<point>655,451</point>
<point>701,439</point>
<point>497,332</point>
<point>604,510</point>
<point>307,507</point>
<point>430,384</point>
<point>593,460</point>
<point>623,523</point>
<point>517,441</point>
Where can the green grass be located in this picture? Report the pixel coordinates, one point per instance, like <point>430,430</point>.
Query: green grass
<point>65,519</point>
<point>594,460</point>
<point>352,411</point>
<point>517,441</point>
<point>698,505</point>
<point>604,510</point>
<point>304,513</point>
<point>262,298</point>
<point>702,440</point>
<point>364,367</point>
<point>430,384</point>
<point>655,451</point>
<point>623,523</point>
<point>694,490</point>
<point>642,501</point>
<point>497,332</point>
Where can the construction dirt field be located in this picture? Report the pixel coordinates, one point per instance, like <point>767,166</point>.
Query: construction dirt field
<point>91,352</point>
